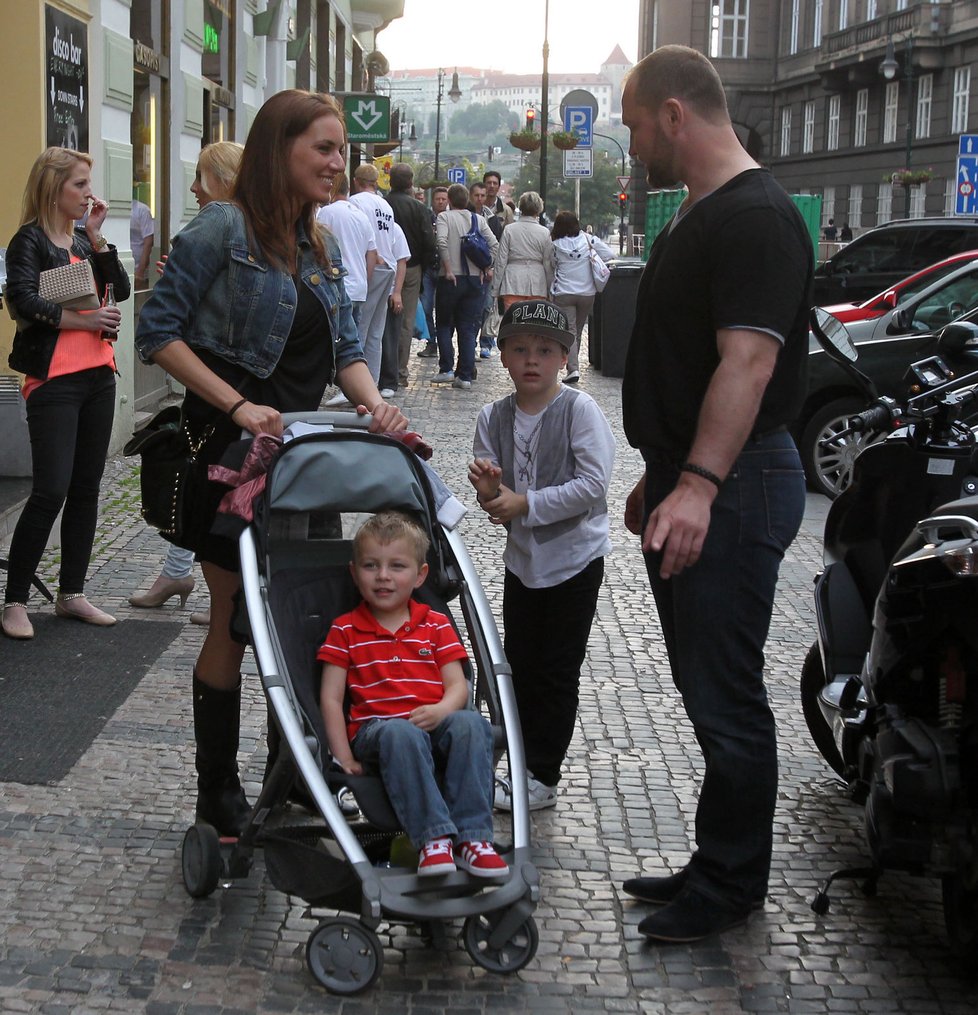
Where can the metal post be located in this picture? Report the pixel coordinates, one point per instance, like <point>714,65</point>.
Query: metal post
<point>544,105</point>
<point>441,76</point>
<point>910,112</point>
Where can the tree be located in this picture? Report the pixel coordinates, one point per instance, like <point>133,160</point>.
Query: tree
<point>478,120</point>
<point>599,193</point>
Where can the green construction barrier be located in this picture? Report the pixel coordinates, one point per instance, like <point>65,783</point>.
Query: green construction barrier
<point>810,206</point>
<point>660,206</point>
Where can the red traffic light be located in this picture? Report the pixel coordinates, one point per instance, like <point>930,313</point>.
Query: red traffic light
<point>531,115</point>
<point>622,199</point>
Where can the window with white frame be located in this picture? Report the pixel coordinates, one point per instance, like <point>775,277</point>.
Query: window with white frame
<point>828,204</point>
<point>786,130</point>
<point>925,93</point>
<point>793,31</point>
<point>856,206</point>
<point>891,108</point>
<point>884,204</point>
<point>817,24</point>
<point>950,196</point>
<point>859,120</point>
<point>960,99</point>
<point>901,5</point>
<point>918,201</point>
<point>728,28</point>
<point>843,14</point>
<point>808,135</point>
<point>832,133</point>
<point>870,9</point>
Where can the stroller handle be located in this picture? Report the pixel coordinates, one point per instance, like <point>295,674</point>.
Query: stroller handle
<point>339,420</point>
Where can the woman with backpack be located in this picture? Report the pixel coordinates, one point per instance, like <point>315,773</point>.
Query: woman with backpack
<point>574,288</point>
<point>460,293</point>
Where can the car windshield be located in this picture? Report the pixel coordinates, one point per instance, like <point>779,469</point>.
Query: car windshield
<point>928,278</point>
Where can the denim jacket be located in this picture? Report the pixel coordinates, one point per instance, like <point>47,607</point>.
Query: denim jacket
<point>219,293</point>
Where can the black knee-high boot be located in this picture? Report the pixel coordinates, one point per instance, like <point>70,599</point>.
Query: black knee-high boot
<point>220,799</point>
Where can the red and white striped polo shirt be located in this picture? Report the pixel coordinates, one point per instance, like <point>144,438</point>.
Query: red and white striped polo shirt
<point>389,675</point>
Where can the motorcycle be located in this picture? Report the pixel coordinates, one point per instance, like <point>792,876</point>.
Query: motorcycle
<point>890,688</point>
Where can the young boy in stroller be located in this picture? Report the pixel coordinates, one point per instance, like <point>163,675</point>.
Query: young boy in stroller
<point>394,698</point>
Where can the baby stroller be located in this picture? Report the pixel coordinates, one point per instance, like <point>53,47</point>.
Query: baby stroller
<point>296,580</point>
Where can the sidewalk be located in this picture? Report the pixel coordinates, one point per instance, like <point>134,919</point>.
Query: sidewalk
<point>94,917</point>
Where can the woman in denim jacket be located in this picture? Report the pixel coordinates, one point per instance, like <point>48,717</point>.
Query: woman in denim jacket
<point>69,363</point>
<point>252,316</point>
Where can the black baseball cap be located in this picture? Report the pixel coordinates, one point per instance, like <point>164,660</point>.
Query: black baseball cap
<point>536,317</point>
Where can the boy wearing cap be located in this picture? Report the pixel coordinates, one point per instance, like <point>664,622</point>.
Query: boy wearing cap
<point>543,460</point>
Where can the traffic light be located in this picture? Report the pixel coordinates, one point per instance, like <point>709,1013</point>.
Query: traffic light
<point>531,115</point>
<point>622,200</point>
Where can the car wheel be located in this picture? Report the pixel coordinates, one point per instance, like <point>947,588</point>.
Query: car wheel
<point>828,456</point>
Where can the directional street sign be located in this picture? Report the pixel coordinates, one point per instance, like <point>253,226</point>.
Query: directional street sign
<point>966,196</point>
<point>578,162</point>
<point>579,120</point>
<point>968,144</point>
<point>368,116</point>
<point>456,174</point>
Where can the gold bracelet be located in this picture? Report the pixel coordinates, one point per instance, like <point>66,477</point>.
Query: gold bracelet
<point>99,243</point>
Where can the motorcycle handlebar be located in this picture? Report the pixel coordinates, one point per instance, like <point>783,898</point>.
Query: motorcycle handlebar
<point>876,417</point>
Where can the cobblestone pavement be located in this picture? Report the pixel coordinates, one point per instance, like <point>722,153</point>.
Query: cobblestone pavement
<point>94,917</point>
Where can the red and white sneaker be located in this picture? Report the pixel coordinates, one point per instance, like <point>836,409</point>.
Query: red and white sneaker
<point>480,859</point>
<point>436,858</point>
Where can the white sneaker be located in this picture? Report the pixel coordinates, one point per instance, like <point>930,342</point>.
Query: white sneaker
<point>387,392</point>
<point>540,796</point>
<point>573,376</point>
<point>338,399</point>
<point>444,378</point>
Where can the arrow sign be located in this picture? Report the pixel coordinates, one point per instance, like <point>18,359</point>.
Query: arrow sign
<point>623,182</point>
<point>368,116</point>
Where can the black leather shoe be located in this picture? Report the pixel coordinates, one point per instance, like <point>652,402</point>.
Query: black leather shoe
<point>692,917</point>
<point>656,891</point>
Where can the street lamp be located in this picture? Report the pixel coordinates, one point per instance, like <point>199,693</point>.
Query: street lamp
<point>889,68</point>
<point>621,207</point>
<point>454,93</point>
<point>544,104</point>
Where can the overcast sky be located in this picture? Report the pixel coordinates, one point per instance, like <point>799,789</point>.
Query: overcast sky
<point>507,35</point>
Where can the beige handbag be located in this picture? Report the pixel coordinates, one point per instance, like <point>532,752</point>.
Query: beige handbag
<point>71,285</point>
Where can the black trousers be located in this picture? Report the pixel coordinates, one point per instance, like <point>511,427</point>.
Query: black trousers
<point>69,420</point>
<point>546,639</point>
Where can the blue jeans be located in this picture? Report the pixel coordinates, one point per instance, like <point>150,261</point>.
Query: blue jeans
<point>458,307</point>
<point>429,284</point>
<point>439,783</point>
<point>715,617</point>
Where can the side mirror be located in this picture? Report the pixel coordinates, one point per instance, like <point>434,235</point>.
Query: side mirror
<point>954,338</point>
<point>833,336</point>
<point>900,323</point>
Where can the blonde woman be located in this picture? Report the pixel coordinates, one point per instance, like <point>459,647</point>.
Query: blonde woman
<point>69,362</point>
<point>524,268</point>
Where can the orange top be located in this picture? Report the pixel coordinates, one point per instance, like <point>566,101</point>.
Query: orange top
<point>76,350</point>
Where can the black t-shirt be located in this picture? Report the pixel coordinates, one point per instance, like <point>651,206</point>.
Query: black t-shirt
<point>740,257</point>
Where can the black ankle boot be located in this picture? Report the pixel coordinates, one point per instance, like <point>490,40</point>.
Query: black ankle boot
<point>220,799</point>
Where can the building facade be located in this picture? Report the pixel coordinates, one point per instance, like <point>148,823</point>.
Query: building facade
<point>841,97</point>
<point>142,85</point>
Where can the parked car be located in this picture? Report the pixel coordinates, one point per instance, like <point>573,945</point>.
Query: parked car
<point>905,289</point>
<point>832,397</point>
<point>880,258</point>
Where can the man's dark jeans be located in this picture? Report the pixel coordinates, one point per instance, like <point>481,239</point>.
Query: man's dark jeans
<point>69,419</point>
<point>458,306</point>
<point>715,618</point>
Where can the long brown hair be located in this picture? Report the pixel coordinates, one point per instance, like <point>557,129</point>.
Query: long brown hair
<point>48,176</point>
<point>263,186</point>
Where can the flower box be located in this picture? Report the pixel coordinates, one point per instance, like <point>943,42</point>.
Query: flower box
<point>565,140</point>
<point>526,140</point>
<point>909,177</point>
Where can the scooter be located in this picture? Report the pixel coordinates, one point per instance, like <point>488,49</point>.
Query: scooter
<point>890,689</point>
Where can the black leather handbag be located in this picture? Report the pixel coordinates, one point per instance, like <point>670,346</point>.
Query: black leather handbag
<point>167,478</point>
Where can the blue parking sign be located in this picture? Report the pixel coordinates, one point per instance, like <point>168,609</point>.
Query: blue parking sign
<point>456,174</point>
<point>579,120</point>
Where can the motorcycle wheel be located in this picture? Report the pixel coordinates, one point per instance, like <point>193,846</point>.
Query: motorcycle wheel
<point>828,468</point>
<point>812,682</point>
<point>961,917</point>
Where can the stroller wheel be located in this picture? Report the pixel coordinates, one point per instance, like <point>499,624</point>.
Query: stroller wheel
<point>504,957</point>
<point>201,860</point>
<point>344,956</point>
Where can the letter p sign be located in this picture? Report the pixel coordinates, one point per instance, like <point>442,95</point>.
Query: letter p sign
<point>579,120</point>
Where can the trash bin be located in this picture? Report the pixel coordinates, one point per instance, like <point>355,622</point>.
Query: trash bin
<point>612,317</point>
